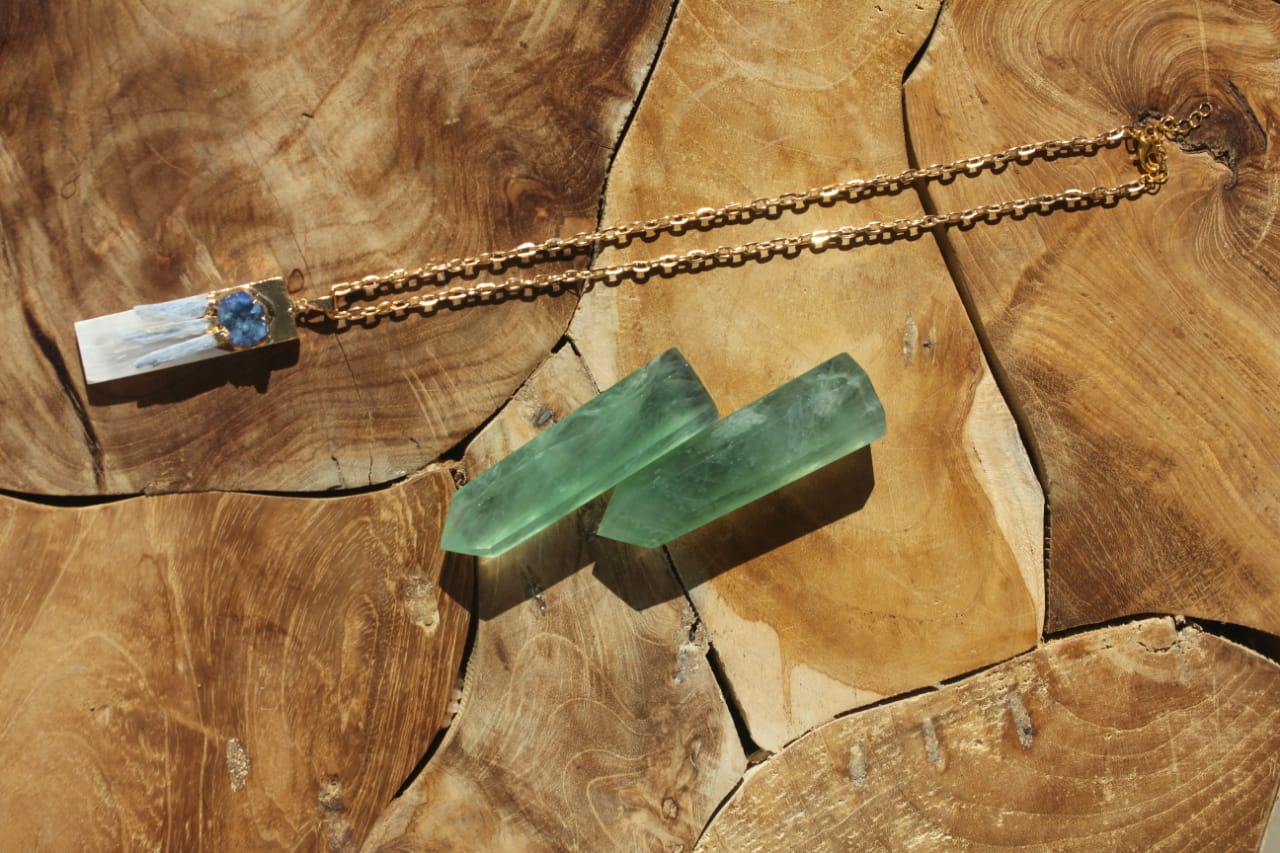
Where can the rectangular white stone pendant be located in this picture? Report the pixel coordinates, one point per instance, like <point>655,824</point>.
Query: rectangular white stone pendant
<point>187,330</point>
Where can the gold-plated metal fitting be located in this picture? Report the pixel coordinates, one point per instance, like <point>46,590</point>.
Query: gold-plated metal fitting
<point>1153,159</point>
<point>273,296</point>
<point>1150,140</point>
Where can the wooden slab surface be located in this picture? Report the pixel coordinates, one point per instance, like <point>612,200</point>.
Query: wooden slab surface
<point>590,718</point>
<point>229,672</point>
<point>919,559</point>
<point>1134,737</point>
<point>236,671</point>
<point>1139,343</point>
<point>151,150</point>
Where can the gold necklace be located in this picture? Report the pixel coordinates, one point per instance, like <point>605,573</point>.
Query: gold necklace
<point>153,337</point>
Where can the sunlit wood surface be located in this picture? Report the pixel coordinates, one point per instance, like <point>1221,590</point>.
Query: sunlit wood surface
<point>859,661</point>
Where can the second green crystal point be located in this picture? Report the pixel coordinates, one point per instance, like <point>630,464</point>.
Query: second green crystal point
<point>815,419</point>
<point>625,428</point>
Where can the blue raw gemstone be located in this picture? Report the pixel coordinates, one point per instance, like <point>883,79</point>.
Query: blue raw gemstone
<point>244,318</point>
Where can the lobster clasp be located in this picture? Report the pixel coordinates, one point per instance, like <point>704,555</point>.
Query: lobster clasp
<point>1153,159</point>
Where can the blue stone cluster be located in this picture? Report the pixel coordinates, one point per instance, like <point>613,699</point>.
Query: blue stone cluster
<point>244,318</point>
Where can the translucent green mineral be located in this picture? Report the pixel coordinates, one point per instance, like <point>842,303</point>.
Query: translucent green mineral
<point>813,420</point>
<point>625,428</point>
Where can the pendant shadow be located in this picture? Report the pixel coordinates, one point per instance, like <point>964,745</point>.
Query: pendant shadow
<point>249,368</point>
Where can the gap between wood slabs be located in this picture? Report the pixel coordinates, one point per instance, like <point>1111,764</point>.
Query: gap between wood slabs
<point>1034,722</point>
<point>705,644</point>
<point>445,462</point>
<point>1017,709</point>
<point>998,372</point>
<point>631,115</point>
<point>698,640</point>
<point>460,694</point>
<point>947,250</point>
<point>1258,641</point>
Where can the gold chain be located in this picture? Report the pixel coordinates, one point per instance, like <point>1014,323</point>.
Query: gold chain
<point>1146,141</point>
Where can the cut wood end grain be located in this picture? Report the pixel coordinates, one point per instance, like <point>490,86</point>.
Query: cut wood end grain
<point>152,151</point>
<point>1138,736</point>
<point>1136,341</point>
<point>917,560</point>
<point>591,718</point>
<point>177,655</point>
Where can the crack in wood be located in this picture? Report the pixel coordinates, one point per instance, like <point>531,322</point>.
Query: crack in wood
<point>1248,113</point>
<point>54,356</point>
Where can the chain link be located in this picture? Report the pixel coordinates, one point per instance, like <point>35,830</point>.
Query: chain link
<point>1176,130</point>
<point>396,289</point>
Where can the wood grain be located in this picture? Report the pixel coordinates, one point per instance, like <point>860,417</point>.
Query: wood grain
<point>223,672</point>
<point>1138,342</point>
<point>590,718</point>
<point>1135,737</point>
<point>918,560</point>
<point>150,149</point>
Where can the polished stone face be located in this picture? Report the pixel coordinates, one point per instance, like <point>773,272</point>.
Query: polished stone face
<point>825,414</point>
<point>640,418</point>
<point>244,318</point>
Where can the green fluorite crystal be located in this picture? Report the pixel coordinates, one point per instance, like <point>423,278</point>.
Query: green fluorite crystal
<point>616,434</point>
<point>810,422</point>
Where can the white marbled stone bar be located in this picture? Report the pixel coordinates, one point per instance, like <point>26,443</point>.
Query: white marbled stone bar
<point>167,334</point>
